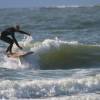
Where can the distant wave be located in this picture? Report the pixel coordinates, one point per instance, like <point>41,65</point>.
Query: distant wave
<point>71,6</point>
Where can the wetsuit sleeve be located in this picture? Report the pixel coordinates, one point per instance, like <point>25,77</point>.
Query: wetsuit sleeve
<point>15,41</point>
<point>22,32</point>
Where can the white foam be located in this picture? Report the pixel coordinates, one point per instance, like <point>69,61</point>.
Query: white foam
<point>49,43</point>
<point>67,6</point>
<point>13,63</point>
<point>26,40</point>
<point>79,88</point>
<point>79,97</point>
<point>44,45</point>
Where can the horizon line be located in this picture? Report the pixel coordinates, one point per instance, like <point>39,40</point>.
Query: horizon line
<point>53,6</point>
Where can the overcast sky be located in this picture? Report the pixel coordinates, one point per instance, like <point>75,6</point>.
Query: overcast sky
<point>39,3</point>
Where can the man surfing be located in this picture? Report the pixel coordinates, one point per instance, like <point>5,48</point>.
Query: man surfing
<point>11,40</point>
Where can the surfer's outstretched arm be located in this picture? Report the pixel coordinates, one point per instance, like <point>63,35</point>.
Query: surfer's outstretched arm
<point>15,41</point>
<point>22,32</point>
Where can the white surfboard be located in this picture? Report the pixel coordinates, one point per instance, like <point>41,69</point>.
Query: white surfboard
<point>19,54</point>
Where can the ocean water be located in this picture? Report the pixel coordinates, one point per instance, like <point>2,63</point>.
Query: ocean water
<point>65,64</point>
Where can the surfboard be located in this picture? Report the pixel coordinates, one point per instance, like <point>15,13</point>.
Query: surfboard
<point>19,54</point>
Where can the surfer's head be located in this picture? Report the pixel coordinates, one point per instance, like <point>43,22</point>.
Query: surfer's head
<point>17,27</point>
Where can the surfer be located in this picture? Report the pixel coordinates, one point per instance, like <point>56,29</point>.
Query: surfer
<point>5,36</point>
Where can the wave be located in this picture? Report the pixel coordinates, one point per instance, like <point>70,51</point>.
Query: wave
<point>29,89</point>
<point>63,6</point>
<point>56,54</point>
<point>70,56</point>
<point>72,6</point>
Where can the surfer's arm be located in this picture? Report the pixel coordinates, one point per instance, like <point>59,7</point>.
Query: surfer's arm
<point>15,41</point>
<point>22,32</point>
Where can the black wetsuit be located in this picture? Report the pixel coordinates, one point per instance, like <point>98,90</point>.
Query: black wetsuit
<point>10,32</point>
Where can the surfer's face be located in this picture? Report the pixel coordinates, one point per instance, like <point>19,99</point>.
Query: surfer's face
<point>17,28</point>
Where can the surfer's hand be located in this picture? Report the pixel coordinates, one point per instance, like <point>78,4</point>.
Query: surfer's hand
<point>29,34</point>
<point>20,47</point>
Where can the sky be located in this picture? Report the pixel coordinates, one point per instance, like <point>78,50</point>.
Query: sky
<point>45,3</point>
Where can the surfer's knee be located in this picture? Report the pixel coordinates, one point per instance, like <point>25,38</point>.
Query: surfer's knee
<point>11,42</point>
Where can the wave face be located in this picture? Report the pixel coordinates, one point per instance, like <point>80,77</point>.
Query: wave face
<point>71,56</point>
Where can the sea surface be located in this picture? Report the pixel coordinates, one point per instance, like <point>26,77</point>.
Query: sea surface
<point>65,64</point>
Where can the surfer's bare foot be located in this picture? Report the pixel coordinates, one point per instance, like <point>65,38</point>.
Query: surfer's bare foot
<point>10,53</point>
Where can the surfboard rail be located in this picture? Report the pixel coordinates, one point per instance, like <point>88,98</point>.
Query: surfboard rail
<point>19,54</point>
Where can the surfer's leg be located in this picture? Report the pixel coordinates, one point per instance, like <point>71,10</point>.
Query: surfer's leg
<point>10,41</point>
<point>10,47</point>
